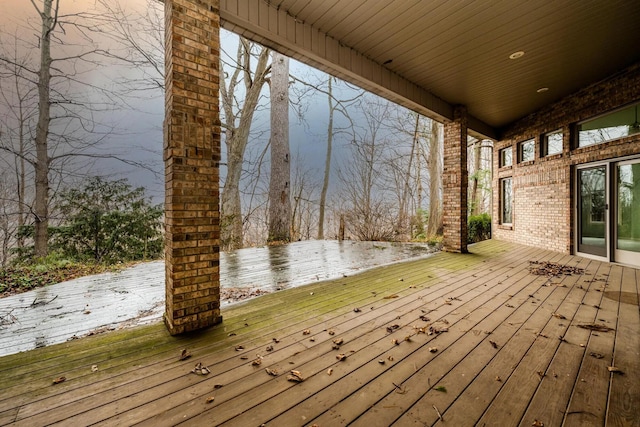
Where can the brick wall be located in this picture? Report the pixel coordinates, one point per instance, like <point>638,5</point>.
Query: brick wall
<point>542,188</point>
<point>192,156</point>
<point>455,182</point>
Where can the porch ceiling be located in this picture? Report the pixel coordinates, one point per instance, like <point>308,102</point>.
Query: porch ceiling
<point>431,55</point>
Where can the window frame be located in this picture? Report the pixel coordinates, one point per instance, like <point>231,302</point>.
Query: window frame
<point>545,143</point>
<point>502,158</point>
<point>521,145</point>
<point>634,111</point>
<point>502,201</point>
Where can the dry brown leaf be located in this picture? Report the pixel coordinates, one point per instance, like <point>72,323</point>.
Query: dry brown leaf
<point>614,369</point>
<point>390,358</point>
<point>184,355</point>
<point>271,372</point>
<point>498,378</point>
<point>275,340</point>
<point>395,342</point>
<point>269,348</point>
<point>407,338</point>
<point>433,349</point>
<point>239,347</point>
<point>244,357</point>
<point>338,341</point>
<point>94,368</point>
<point>596,327</point>
<point>559,316</point>
<point>381,361</point>
<point>493,344</point>
<point>341,357</point>
<point>59,380</point>
<point>356,310</point>
<point>331,332</point>
<point>329,371</point>
<point>596,355</point>
<point>210,399</point>
<point>306,332</point>
<point>295,377</point>
<point>537,423</point>
<point>256,362</point>
<point>391,296</point>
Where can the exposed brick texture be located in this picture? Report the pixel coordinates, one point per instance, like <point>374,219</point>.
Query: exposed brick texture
<point>192,156</point>
<point>455,182</point>
<point>543,214</point>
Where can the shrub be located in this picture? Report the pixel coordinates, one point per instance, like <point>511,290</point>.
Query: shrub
<point>479,228</point>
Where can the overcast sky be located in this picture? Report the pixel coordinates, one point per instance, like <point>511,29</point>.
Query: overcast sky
<point>138,129</point>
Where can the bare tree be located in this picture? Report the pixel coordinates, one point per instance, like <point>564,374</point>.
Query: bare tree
<point>434,162</point>
<point>279,183</point>
<point>238,115</point>
<point>370,214</point>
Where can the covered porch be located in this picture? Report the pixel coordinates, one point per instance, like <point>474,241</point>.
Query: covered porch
<point>487,338</point>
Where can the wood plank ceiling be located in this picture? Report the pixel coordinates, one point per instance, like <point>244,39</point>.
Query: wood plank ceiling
<point>444,52</point>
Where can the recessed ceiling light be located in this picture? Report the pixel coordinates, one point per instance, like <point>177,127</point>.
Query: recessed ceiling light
<point>542,89</point>
<point>516,55</point>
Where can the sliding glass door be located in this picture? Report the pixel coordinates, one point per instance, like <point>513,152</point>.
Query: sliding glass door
<point>592,215</point>
<point>627,212</point>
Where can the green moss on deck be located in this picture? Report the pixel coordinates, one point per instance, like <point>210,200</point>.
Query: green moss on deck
<point>116,351</point>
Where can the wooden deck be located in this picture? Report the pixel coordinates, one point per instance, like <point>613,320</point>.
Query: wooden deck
<point>452,340</point>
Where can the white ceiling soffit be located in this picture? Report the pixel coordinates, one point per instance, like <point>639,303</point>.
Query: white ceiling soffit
<point>430,55</point>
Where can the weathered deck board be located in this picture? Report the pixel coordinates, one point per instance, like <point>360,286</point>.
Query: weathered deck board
<point>486,296</point>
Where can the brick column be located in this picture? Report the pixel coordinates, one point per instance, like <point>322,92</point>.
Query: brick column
<point>191,157</point>
<point>455,181</point>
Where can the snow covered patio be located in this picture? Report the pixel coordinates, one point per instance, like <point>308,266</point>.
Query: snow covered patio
<point>455,338</point>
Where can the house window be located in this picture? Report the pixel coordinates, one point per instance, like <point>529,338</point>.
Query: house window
<point>506,157</point>
<point>617,124</point>
<point>552,143</point>
<point>526,150</point>
<point>506,201</point>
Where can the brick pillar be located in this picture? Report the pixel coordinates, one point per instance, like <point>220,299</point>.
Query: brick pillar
<point>192,156</point>
<point>455,181</point>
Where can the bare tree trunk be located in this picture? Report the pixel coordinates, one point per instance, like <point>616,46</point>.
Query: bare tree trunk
<point>434,226</point>
<point>402,210</point>
<point>327,163</point>
<point>41,208</point>
<point>279,184</point>
<point>237,137</point>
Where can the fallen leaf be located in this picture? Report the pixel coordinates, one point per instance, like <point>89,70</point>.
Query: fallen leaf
<point>239,347</point>
<point>210,399</point>
<point>424,318</point>
<point>433,349</point>
<point>331,332</point>
<point>312,339</point>
<point>269,348</point>
<point>391,296</point>
<point>498,378</point>
<point>295,377</point>
<point>271,372</point>
<point>232,334</point>
<point>493,344</point>
<point>356,310</point>
<point>59,380</point>
<point>329,371</point>
<point>275,340</point>
<point>540,374</point>
<point>559,316</point>
<point>306,332</point>
<point>395,342</point>
<point>244,357</point>
<point>596,355</point>
<point>185,354</point>
<point>256,362</point>
<point>537,423</point>
<point>390,358</point>
<point>338,341</point>
<point>341,357</point>
<point>614,369</point>
<point>94,368</point>
<point>441,388</point>
<point>596,327</point>
<point>407,338</point>
<point>381,361</point>
<point>217,386</point>
<point>200,370</point>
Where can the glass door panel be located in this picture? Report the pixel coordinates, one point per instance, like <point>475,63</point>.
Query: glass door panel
<point>592,210</point>
<point>627,239</point>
